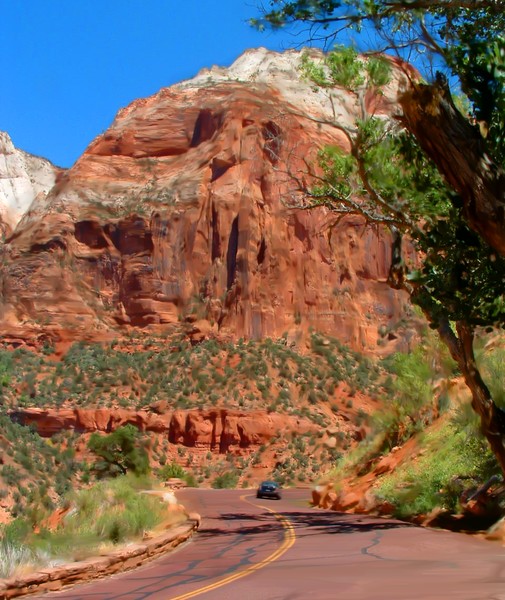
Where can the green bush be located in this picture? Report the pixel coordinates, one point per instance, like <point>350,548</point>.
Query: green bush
<point>120,452</point>
<point>226,480</point>
<point>111,511</point>
<point>491,361</point>
<point>172,470</point>
<point>450,456</point>
<point>410,396</point>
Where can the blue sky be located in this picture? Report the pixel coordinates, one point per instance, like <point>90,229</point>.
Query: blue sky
<point>67,66</point>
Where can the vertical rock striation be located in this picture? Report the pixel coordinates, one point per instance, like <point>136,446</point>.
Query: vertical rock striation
<point>180,210</point>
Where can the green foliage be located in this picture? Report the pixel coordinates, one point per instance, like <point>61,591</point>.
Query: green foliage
<point>229,479</point>
<point>491,361</point>
<point>409,408</point>
<point>450,456</point>
<point>467,42</point>
<point>109,512</point>
<point>461,277</point>
<point>378,70</point>
<point>120,452</point>
<point>174,470</point>
<point>479,61</point>
<point>113,510</point>
<point>33,458</point>
<point>343,67</point>
<point>5,369</point>
<point>171,470</point>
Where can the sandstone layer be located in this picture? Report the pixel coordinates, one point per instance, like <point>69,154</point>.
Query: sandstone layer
<point>183,210</point>
<point>218,430</point>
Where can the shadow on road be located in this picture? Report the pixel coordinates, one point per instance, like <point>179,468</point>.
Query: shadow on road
<point>312,523</point>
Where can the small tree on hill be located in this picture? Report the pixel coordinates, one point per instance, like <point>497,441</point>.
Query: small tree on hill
<point>120,452</point>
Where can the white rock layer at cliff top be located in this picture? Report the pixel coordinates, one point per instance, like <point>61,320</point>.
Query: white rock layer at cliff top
<point>282,71</point>
<point>26,179</point>
<point>23,177</point>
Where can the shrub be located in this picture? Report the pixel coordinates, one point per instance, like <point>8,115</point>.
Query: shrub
<point>226,480</point>
<point>172,470</point>
<point>450,455</point>
<point>111,511</point>
<point>120,452</point>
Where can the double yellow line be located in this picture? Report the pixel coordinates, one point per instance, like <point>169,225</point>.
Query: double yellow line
<point>289,540</point>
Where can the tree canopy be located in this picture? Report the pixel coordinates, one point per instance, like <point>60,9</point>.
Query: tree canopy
<point>456,41</point>
<point>438,176</point>
<point>119,452</point>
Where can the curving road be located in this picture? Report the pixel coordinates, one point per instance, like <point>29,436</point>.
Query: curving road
<point>250,549</point>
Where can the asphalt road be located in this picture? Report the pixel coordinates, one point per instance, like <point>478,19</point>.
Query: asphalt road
<point>249,549</point>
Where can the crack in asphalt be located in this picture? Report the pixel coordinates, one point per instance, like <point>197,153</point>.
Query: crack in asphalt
<point>376,540</point>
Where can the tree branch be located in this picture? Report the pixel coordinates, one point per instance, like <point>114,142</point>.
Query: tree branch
<point>459,152</point>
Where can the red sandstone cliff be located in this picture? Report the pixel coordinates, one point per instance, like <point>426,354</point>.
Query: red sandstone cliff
<point>214,429</point>
<point>179,208</point>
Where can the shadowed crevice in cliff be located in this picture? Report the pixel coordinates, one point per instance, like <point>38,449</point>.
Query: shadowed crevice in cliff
<point>54,244</point>
<point>91,234</point>
<point>131,236</point>
<point>205,127</point>
<point>231,254</point>
<point>227,437</point>
<point>262,251</point>
<point>302,233</point>
<point>219,167</point>
<point>216,238</point>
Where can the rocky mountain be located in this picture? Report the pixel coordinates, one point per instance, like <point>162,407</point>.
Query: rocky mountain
<point>182,211</point>
<point>23,178</point>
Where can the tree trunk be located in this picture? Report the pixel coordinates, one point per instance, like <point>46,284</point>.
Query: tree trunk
<point>492,417</point>
<point>458,150</point>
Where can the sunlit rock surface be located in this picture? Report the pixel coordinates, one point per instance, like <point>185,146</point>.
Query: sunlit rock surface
<point>23,177</point>
<point>182,210</point>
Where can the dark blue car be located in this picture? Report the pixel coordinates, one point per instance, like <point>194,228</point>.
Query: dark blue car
<point>269,489</point>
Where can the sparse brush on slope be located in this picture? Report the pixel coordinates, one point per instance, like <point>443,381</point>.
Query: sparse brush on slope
<point>409,404</point>
<point>452,462</point>
<point>141,371</point>
<point>108,513</point>
<point>449,457</point>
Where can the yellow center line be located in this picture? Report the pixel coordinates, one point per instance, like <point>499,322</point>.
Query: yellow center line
<point>289,540</point>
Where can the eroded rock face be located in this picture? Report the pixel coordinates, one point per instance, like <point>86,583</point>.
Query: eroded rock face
<point>23,178</point>
<point>217,430</point>
<point>181,207</point>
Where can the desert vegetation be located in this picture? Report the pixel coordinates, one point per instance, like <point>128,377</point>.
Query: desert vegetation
<point>319,385</point>
<point>361,409</point>
<point>138,372</point>
<point>88,521</point>
<point>425,446</point>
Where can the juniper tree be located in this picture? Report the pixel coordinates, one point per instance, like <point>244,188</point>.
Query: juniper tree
<point>437,178</point>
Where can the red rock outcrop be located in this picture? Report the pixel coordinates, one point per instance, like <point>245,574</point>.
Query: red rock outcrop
<point>181,208</point>
<point>218,429</point>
